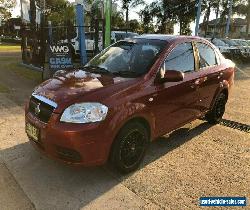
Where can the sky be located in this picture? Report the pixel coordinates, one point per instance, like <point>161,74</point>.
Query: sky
<point>133,14</point>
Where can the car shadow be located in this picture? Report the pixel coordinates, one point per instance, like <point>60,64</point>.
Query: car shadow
<point>52,185</point>
<point>165,144</point>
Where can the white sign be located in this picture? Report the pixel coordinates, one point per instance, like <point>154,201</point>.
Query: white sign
<point>61,49</point>
<point>25,7</point>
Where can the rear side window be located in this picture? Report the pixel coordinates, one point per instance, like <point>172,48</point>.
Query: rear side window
<point>207,55</point>
<point>181,58</point>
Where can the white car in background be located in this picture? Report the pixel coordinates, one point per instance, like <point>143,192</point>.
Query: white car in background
<point>244,46</point>
<point>224,48</point>
<point>90,41</point>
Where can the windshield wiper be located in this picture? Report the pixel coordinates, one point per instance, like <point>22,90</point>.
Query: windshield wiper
<point>126,73</point>
<point>97,69</point>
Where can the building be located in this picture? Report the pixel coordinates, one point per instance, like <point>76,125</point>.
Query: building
<point>217,28</point>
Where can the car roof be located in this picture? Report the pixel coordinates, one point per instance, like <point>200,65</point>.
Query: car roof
<point>124,32</point>
<point>166,37</point>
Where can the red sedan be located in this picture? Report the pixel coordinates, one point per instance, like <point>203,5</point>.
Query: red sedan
<point>128,95</point>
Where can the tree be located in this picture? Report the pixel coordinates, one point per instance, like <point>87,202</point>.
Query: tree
<point>169,12</point>
<point>5,7</point>
<point>134,26</point>
<point>244,9</point>
<point>184,10</point>
<point>117,20</point>
<point>207,7</point>
<point>59,11</point>
<point>146,19</point>
<point>238,7</point>
<point>129,4</point>
<point>162,12</point>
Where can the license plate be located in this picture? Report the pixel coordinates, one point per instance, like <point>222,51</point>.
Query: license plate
<point>32,132</point>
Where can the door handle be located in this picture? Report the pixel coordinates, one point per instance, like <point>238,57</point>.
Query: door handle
<point>220,75</point>
<point>195,84</point>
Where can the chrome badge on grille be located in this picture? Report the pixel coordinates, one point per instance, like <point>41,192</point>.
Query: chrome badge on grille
<point>37,109</point>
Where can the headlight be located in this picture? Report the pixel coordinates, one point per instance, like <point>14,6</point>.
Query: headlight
<point>84,113</point>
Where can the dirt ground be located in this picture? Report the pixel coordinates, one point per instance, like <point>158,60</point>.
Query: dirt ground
<point>194,161</point>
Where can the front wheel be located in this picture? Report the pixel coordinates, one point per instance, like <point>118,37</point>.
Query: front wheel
<point>215,115</point>
<point>129,147</point>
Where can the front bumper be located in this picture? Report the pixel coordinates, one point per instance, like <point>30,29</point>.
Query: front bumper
<point>77,144</point>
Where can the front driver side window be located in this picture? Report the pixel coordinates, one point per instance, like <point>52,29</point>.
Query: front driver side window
<point>181,58</point>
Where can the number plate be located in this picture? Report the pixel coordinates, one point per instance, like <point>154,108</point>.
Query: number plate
<point>32,131</point>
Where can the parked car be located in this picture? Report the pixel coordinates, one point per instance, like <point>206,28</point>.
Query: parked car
<point>120,35</point>
<point>90,41</point>
<point>130,94</point>
<point>245,47</point>
<point>238,51</point>
<point>224,48</point>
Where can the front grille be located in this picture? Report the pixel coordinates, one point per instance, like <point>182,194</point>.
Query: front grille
<point>68,154</point>
<point>45,109</point>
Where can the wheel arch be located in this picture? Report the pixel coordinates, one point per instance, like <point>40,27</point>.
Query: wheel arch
<point>141,120</point>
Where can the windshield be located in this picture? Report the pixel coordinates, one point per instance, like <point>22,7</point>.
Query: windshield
<point>128,59</point>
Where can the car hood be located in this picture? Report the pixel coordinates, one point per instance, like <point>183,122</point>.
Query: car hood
<point>79,85</point>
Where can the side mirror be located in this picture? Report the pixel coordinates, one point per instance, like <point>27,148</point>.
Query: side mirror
<point>172,76</point>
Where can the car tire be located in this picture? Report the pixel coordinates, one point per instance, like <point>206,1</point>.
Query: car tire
<point>215,115</point>
<point>129,147</point>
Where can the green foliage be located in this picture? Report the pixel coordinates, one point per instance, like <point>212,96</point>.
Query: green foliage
<point>59,11</point>
<point>168,12</point>
<point>5,7</point>
<point>129,4</point>
<point>134,26</point>
<point>117,20</point>
<point>185,13</point>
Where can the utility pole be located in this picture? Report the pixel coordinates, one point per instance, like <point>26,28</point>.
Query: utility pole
<point>198,15</point>
<point>80,10</point>
<point>229,16</point>
<point>216,19</point>
<point>108,5</point>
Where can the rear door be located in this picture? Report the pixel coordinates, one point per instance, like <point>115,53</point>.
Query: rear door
<point>210,75</point>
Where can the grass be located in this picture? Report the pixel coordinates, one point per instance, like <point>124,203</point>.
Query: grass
<point>25,72</point>
<point>13,64</point>
<point>3,89</point>
<point>9,48</point>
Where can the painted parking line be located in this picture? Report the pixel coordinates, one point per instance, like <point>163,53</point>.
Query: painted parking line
<point>243,72</point>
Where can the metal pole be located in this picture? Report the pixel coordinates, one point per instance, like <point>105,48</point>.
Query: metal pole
<point>229,17</point>
<point>21,3</point>
<point>81,32</point>
<point>108,5</point>
<point>198,15</point>
<point>216,20</point>
<point>50,32</point>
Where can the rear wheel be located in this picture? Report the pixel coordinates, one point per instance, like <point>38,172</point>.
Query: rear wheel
<point>216,114</point>
<point>129,147</point>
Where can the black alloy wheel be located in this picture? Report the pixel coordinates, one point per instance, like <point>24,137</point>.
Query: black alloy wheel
<point>129,147</point>
<point>216,114</point>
